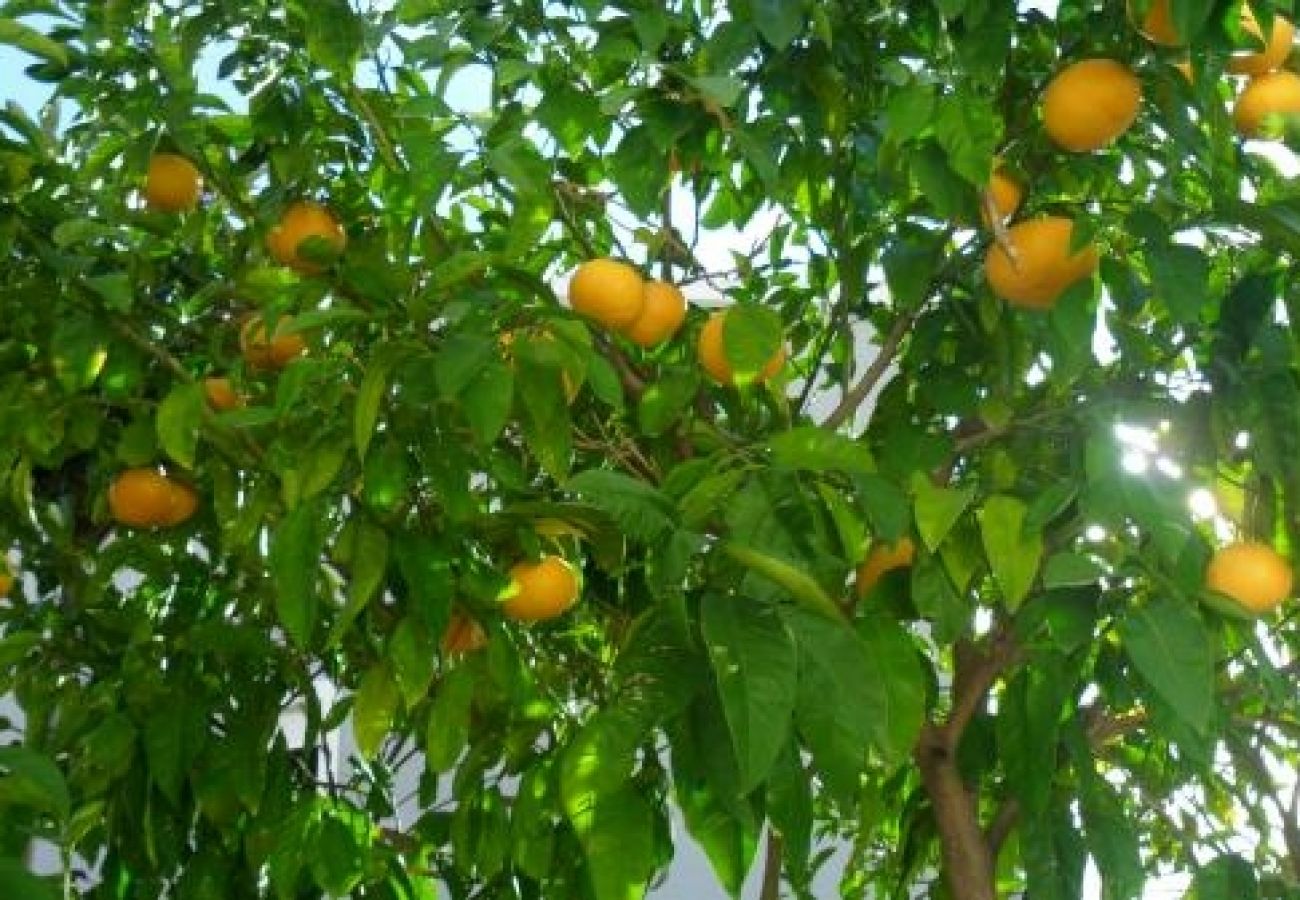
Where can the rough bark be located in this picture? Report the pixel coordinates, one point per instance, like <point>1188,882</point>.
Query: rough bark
<point>967,862</point>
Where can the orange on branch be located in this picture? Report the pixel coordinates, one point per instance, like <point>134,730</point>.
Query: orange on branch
<point>1006,193</point>
<point>1265,104</point>
<point>1275,51</point>
<point>540,590</point>
<point>883,558</point>
<point>146,498</point>
<point>662,313</point>
<point>172,183</point>
<point>1089,104</point>
<point>463,635</point>
<point>300,222</point>
<point>275,353</point>
<point>1157,25</point>
<point>221,394</point>
<point>608,292</point>
<point>1251,573</point>
<point>1043,267</point>
<point>711,353</point>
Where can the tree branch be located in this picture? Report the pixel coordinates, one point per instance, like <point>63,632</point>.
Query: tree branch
<point>855,396</point>
<point>1000,828</point>
<point>772,866</point>
<point>976,671</point>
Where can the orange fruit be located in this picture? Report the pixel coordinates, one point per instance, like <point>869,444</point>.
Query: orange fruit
<point>1275,52</point>
<point>146,498</point>
<point>712,355</point>
<point>299,222</point>
<point>463,635</point>
<point>1089,104</point>
<point>882,558</point>
<point>663,311</point>
<point>182,503</point>
<point>1007,194</point>
<point>1266,102</point>
<point>6,582</point>
<point>1157,25</point>
<point>1044,266</point>
<point>172,184</point>
<point>276,353</point>
<point>540,590</point>
<point>609,292</point>
<point>1253,574</point>
<point>221,394</point>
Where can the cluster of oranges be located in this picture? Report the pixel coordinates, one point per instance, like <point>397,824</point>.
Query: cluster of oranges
<point>1271,90</point>
<point>306,235</point>
<point>613,294</point>
<point>1087,106</point>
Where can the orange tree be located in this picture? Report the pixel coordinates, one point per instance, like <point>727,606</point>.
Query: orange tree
<point>293,418</point>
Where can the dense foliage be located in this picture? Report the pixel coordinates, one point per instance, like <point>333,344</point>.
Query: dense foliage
<point>1047,681</point>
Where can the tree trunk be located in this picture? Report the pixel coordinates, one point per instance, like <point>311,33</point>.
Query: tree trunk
<point>967,862</point>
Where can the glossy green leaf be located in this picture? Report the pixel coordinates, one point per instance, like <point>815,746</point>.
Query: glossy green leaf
<point>1014,554</point>
<point>296,548</point>
<point>937,509</point>
<point>1171,648</point>
<point>754,663</point>
<point>373,709</point>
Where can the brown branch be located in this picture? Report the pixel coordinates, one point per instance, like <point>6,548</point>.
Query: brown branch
<point>772,866</point>
<point>976,671</point>
<point>967,862</point>
<point>855,396</point>
<point>1004,822</point>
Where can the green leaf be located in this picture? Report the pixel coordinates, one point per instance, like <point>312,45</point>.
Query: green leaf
<point>751,336</point>
<point>295,569</point>
<point>1171,648</point>
<point>723,90</point>
<point>544,416</point>
<point>910,263</point>
<point>448,729</point>
<point>340,851</point>
<point>24,37</point>
<point>28,778</point>
<point>486,401</point>
<point>374,708</point>
<point>461,358</point>
<point>779,21</point>
<point>617,834</point>
<point>1227,877</point>
<point>369,565</point>
<point>1071,570</point>
<point>172,738</point>
<point>937,600</point>
<point>937,509</point>
<point>16,881</point>
<point>79,348</point>
<point>370,396</point>
<point>334,34</point>
<point>665,400</point>
<point>1013,555</point>
<point>754,662</point>
<point>789,801</point>
<point>412,651</point>
<point>178,420</point>
<point>885,506</point>
<point>799,584</point>
<point>642,513</point>
<point>1108,830</point>
<point>910,111</point>
<point>1181,277</point>
<point>818,450</point>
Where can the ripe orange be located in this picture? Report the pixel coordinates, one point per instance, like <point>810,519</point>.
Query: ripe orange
<point>300,221</point>
<point>172,184</point>
<point>1007,194</point>
<point>221,394</point>
<point>662,313</point>
<point>713,357</point>
<point>1157,25</point>
<point>146,498</point>
<point>882,558</point>
<point>276,353</point>
<point>1089,104</point>
<point>608,292</point>
<point>540,590</point>
<point>1275,52</point>
<point>1044,266</point>
<point>1266,102</point>
<point>1251,573</point>
<point>463,635</point>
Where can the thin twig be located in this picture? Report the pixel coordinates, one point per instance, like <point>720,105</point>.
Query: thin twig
<point>772,866</point>
<point>857,395</point>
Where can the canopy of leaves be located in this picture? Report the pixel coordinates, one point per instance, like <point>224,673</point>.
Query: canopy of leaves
<point>188,691</point>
